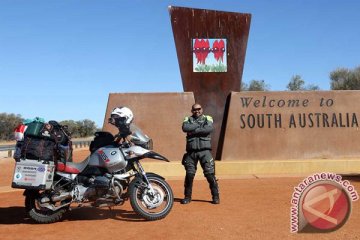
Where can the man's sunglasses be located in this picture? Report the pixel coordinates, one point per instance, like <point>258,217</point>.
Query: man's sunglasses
<point>196,109</point>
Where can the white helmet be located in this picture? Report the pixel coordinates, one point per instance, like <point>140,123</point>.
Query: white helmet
<point>121,116</point>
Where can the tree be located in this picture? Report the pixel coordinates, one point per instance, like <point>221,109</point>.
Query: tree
<point>8,123</point>
<point>345,79</point>
<point>244,86</point>
<point>255,85</point>
<point>298,84</point>
<point>258,85</point>
<point>82,128</point>
<point>312,87</point>
<point>72,127</point>
<point>86,127</point>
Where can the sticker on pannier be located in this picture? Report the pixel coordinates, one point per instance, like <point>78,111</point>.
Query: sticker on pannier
<point>32,174</point>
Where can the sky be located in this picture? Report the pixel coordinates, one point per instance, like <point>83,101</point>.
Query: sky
<point>60,59</point>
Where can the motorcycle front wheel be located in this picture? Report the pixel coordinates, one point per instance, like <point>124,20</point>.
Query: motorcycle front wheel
<point>40,214</point>
<point>151,205</point>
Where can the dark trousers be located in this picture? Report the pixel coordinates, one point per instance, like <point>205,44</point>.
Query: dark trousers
<point>190,161</point>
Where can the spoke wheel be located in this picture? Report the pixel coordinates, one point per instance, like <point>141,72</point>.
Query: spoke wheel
<point>41,214</point>
<point>152,205</point>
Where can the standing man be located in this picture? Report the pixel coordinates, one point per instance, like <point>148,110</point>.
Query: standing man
<point>198,128</point>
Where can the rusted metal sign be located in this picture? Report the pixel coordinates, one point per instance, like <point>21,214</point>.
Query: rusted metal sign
<point>211,47</point>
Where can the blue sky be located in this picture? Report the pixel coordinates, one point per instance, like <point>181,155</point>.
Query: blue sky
<point>60,59</point>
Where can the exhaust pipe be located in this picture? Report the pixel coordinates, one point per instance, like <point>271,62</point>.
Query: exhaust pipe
<point>61,197</point>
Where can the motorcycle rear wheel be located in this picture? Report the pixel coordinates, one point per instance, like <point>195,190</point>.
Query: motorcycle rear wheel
<point>151,207</point>
<point>39,214</point>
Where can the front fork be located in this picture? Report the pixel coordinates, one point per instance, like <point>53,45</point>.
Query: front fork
<point>143,173</point>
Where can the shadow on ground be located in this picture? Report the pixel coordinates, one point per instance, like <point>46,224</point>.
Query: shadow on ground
<point>17,215</point>
<point>193,200</point>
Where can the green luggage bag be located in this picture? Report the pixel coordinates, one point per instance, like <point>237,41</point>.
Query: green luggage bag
<point>34,127</point>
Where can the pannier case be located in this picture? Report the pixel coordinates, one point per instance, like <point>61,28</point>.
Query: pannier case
<point>33,174</point>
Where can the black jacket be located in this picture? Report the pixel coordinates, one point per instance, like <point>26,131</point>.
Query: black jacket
<point>198,132</point>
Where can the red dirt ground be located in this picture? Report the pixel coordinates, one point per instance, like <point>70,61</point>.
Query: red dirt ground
<point>253,208</point>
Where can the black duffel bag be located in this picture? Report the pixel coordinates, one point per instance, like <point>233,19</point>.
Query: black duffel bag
<point>101,139</point>
<point>38,149</point>
<point>62,138</point>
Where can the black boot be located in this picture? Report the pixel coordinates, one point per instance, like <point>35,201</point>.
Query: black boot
<point>214,188</point>
<point>188,188</point>
<point>186,200</point>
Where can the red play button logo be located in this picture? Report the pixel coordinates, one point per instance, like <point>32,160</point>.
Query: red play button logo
<point>325,206</point>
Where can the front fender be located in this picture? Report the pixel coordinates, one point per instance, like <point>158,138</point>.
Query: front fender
<point>155,155</point>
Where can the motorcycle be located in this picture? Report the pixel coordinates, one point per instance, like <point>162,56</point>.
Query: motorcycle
<point>109,176</point>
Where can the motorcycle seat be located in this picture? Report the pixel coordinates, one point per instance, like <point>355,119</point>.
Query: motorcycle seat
<point>72,167</point>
